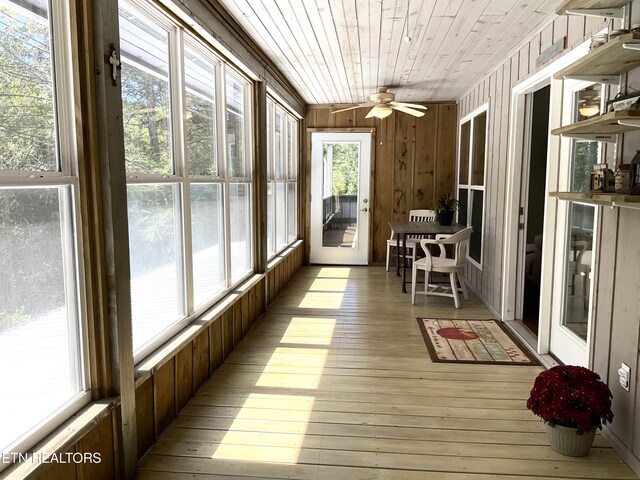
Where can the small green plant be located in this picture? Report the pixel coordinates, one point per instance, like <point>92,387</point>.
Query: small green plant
<point>446,203</point>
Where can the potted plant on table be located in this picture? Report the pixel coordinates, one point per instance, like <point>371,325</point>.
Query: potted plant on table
<point>445,207</point>
<point>573,402</point>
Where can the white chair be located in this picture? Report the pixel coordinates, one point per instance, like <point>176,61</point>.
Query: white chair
<point>413,240</point>
<point>453,266</point>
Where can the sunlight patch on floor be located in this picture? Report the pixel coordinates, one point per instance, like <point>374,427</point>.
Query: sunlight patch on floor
<point>329,285</point>
<point>332,301</point>
<point>240,443</point>
<point>309,357</point>
<point>334,272</point>
<point>310,331</point>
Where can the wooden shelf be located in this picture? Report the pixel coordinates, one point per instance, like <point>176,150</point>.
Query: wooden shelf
<point>583,4</point>
<point>606,124</point>
<point>609,59</point>
<point>606,199</point>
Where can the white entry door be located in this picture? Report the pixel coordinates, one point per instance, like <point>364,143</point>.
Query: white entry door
<point>340,203</point>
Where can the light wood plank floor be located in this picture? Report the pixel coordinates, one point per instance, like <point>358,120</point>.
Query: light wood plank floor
<point>335,383</point>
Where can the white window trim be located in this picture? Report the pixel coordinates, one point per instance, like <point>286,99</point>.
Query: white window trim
<point>285,176</point>
<point>178,37</point>
<point>70,219</point>
<point>484,108</point>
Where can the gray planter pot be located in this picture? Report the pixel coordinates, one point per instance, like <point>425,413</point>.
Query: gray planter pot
<point>566,441</point>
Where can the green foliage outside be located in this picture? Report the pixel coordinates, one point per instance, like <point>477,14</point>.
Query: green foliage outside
<point>585,156</point>
<point>345,168</point>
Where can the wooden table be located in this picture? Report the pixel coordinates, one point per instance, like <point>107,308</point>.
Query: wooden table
<point>402,228</point>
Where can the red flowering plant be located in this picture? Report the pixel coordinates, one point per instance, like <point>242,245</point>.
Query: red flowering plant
<point>572,397</point>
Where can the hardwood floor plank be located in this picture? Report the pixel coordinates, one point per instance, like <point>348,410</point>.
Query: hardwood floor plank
<point>335,383</point>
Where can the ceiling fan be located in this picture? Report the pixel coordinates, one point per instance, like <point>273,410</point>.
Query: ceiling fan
<point>383,104</point>
<point>589,103</point>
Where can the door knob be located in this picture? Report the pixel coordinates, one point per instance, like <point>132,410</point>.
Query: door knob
<point>365,209</point>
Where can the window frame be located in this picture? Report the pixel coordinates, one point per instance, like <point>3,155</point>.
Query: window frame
<point>286,177</point>
<point>469,186</point>
<point>178,38</point>
<point>71,224</point>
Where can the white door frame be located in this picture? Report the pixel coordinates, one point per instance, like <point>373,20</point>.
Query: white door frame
<point>341,255</point>
<point>514,172</point>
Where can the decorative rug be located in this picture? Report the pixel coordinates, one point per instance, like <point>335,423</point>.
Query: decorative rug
<point>472,341</point>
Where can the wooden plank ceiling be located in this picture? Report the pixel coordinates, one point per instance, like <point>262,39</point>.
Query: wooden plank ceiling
<point>339,51</point>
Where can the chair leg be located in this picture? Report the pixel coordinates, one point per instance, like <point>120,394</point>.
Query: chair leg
<point>414,274</point>
<point>454,289</point>
<point>388,250</point>
<point>463,286</point>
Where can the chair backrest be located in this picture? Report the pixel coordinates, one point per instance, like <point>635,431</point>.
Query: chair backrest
<point>460,240</point>
<point>421,216</point>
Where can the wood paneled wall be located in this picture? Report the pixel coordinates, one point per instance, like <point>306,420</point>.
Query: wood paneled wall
<point>282,269</point>
<point>414,161</point>
<point>617,277</point>
<point>495,90</point>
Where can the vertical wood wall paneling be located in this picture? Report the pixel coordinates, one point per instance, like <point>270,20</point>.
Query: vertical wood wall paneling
<point>164,405</point>
<point>624,319</point>
<point>402,145</point>
<point>424,159</point>
<point>98,440</point>
<point>200,360</point>
<point>404,141</point>
<point>216,349</point>
<point>57,471</point>
<point>145,415</point>
<point>184,376</point>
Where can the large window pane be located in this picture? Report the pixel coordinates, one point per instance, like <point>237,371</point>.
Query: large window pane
<point>240,213</point>
<point>156,276</point>
<point>235,134</point>
<point>281,218</point>
<point>585,155</point>
<point>479,143</point>
<point>200,117</point>
<point>27,120</point>
<point>292,149</point>
<point>279,145</point>
<point>271,247</point>
<point>465,146</point>
<point>40,362</point>
<point>475,244</point>
<point>145,93</point>
<point>207,230</point>
<point>463,206</point>
<point>292,212</point>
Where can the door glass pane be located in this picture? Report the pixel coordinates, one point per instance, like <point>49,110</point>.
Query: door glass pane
<point>465,142</point>
<point>156,273</point>
<point>240,214</point>
<point>200,115</point>
<point>578,264</point>
<point>585,155</point>
<point>340,199</point>
<point>207,227</point>
<point>27,125</point>
<point>145,93</point>
<point>40,362</point>
<point>479,141</point>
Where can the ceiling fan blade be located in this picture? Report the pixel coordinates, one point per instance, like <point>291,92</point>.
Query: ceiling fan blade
<point>408,110</point>
<point>371,113</point>
<point>410,105</point>
<point>368,104</point>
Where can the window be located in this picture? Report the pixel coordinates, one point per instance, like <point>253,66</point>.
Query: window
<point>282,177</point>
<point>42,354</point>
<point>188,156</point>
<point>471,163</point>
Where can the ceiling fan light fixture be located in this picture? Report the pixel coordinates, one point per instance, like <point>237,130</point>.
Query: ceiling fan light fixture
<point>381,111</point>
<point>589,109</point>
